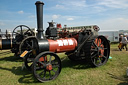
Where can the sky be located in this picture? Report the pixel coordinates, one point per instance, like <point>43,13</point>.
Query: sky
<point>107,14</point>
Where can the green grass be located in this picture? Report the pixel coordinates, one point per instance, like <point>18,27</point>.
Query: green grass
<point>73,73</point>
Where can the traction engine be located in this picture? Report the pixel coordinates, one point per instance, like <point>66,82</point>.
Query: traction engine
<point>39,52</point>
<point>13,41</point>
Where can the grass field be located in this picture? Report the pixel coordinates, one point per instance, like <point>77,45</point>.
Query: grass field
<point>73,73</point>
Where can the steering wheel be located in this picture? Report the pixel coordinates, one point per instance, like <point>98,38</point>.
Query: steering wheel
<point>21,32</point>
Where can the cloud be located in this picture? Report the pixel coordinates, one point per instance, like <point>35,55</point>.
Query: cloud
<point>21,12</point>
<point>78,3</point>
<point>59,6</point>
<point>96,6</point>
<point>70,19</point>
<point>55,16</point>
<point>71,4</point>
<point>114,24</point>
<point>98,9</point>
<point>114,3</point>
<point>32,16</point>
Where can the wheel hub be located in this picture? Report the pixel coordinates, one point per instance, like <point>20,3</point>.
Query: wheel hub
<point>49,67</point>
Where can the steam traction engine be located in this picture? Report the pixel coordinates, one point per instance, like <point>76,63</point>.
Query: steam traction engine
<point>39,52</point>
<point>13,41</point>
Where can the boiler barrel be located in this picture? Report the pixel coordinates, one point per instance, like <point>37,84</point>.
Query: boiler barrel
<point>62,45</point>
<point>5,44</point>
<point>57,46</point>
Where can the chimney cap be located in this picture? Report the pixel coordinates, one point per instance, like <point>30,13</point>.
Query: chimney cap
<point>39,2</point>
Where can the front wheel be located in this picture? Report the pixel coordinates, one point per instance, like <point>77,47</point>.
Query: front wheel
<point>46,66</point>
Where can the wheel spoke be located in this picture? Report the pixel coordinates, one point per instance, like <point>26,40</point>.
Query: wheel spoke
<point>32,43</point>
<point>39,68</point>
<point>98,42</point>
<point>16,32</point>
<point>95,44</point>
<point>95,60</point>
<point>105,48</point>
<point>50,74</point>
<point>101,43</point>
<point>95,55</point>
<point>26,31</point>
<point>104,56</point>
<point>44,60</point>
<point>94,49</point>
<point>100,62</point>
<point>29,45</point>
<point>53,70</point>
<point>41,63</point>
<point>50,59</point>
<point>21,30</point>
<point>44,74</point>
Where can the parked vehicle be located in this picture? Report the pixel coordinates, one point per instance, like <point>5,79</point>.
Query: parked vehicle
<point>112,36</point>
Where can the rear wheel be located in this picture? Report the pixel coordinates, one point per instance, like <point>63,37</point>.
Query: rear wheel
<point>99,51</point>
<point>46,66</point>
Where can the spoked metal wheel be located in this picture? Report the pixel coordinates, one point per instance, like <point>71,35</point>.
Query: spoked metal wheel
<point>21,31</point>
<point>18,34</point>
<point>28,61</point>
<point>46,66</point>
<point>100,50</point>
<point>29,44</point>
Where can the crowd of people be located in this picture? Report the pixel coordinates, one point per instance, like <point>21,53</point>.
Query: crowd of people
<point>123,40</point>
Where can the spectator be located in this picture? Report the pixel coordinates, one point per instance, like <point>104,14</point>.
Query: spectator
<point>120,44</point>
<point>124,42</point>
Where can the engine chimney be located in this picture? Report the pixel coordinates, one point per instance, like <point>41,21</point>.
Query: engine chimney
<point>39,10</point>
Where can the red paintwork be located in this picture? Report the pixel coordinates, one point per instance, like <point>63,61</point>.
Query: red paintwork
<point>59,26</point>
<point>42,58</point>
<point>54,45</point>
<point>99,44</point>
